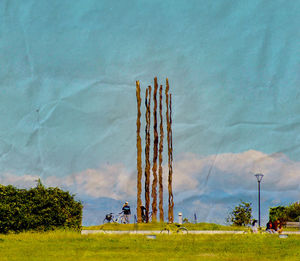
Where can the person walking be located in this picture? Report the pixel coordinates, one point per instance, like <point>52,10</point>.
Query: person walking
<point>126,212</point>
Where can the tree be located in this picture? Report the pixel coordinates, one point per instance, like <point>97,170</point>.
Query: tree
<point>293,212</point>
<point>285,213</point>
<point>38,208</point>
<point>277,213</point>
<point>241,215</point>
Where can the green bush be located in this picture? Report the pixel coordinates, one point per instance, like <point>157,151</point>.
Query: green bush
<point>293,212</point>
<point>277,213</point>
<point>38,208</point>
<point>285,213</point>
<point>241,215</point>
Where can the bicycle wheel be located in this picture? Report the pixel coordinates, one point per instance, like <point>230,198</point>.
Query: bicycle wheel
<point>182,230</point>
<point>150,217</point>
<point>105,221</point>
<point>121,220</point>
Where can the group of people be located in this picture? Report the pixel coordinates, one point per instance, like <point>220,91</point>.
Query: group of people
<point>271,227</point>
<point>126,211</point>
<point>274,227</point>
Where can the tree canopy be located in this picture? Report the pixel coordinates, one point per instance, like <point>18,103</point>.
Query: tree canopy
<point>38,208</point>
<point>286,213</point>
<point>241,215</point>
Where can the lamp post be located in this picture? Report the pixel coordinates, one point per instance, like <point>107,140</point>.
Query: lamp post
<point>259,177</point>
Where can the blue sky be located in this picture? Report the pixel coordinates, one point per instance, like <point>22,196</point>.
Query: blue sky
<point>68,106</point>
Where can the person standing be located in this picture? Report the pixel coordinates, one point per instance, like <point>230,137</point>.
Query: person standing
<point>126,212</point>
<point>143,211</point>
<point>254,226</point>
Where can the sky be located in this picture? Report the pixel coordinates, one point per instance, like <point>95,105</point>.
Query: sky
<point>68,104</point>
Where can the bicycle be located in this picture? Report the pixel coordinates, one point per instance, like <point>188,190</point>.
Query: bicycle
<point>109,218</point>
<point>149,218</point>
<point>120,218</point>
<point>174,228</point>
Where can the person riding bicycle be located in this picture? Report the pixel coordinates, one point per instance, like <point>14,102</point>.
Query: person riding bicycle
<point>126,212</point>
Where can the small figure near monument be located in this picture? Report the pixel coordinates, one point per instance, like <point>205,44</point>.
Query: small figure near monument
<point>143,213</point>
<point>269,227</point>
<point>254,226</point>
<point>277,226</point>
<point>126,212</point>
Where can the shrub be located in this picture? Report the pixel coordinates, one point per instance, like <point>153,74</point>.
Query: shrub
<point>286,213</point>
<point>38,208</point>
<point>293,212</point>
<point>241,215</point>
<point>277,213</point>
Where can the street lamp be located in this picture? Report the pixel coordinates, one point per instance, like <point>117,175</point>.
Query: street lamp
<point>259,177</point>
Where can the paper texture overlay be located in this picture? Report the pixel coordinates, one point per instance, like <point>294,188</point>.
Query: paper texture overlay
<point>68,104</point>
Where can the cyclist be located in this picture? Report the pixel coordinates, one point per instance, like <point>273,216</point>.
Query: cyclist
<point>126,211</point>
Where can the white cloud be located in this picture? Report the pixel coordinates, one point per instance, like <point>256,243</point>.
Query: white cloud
<point>215,176</point>
<point>232,172</point>
<point>25,181</point>
<point>111,181</point>
<point>211,186</point>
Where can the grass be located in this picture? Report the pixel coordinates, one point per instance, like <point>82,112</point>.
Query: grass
<point>67,246</point>
<point>291,229</point>
<point>160,226</point>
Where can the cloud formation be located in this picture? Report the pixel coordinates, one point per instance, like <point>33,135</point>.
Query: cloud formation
<point>111,181</point>
<point>25,181</point>
<point>211,186</point>
<point>193,174</point>
<point>234,171</point>
<point>206,185</point>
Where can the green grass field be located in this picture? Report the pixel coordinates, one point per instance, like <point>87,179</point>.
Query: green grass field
<point>66,246</point>
<point>160,226</point>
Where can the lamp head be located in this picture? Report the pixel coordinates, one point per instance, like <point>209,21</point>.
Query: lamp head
<point>259,176</point>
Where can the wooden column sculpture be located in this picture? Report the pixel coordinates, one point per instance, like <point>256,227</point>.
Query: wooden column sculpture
<point>160,157</point>
<point>158,142</point>
<point>139,153</point>
<point>169,138</point>
<point>155,149</point>
<point>170,178</point>
<point>147,150</point>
